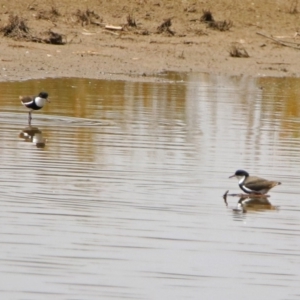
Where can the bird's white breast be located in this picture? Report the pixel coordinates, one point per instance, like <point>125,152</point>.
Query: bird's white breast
<point>40,101</point>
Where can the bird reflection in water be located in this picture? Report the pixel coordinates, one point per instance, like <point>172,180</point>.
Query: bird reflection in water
<point>33,135</point>
<point>254,204</point>
<point>251,202</point>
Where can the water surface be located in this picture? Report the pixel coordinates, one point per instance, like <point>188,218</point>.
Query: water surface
<point>122,198</point>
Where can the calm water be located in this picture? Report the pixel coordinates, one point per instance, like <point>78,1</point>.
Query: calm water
<point>122,198</point>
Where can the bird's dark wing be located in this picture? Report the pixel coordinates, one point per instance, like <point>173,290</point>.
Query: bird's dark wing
<point>26,99</point>
<point>257,183</point>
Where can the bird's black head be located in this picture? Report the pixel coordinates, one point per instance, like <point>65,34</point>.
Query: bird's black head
<point>241,173</point>
<point>43,95</point>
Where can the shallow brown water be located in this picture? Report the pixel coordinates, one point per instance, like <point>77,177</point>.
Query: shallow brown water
<point>124,201</point>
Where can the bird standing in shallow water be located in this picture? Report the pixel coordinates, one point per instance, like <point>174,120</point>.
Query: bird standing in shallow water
<point>34,103</point>
<point>253,184</point>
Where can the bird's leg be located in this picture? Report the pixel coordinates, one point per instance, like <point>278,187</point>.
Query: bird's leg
<point>29,118</point>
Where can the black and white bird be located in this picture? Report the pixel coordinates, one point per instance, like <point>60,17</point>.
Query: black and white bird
<point>253,184</point>
<point>34,103</point>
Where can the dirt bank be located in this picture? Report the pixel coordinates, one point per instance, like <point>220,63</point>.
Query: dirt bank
<point>143,47</point>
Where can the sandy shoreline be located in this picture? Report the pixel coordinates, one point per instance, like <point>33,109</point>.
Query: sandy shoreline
<point>140,53</point>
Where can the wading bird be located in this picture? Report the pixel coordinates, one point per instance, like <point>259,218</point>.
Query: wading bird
<point>34,103</point>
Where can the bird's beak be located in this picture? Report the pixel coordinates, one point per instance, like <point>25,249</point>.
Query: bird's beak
<point>232,176</point>
<point>48,100</point>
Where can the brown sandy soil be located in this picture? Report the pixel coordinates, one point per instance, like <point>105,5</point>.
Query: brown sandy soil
<point>141,52</point>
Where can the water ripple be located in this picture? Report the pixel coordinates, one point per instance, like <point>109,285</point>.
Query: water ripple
<point>116,190</point>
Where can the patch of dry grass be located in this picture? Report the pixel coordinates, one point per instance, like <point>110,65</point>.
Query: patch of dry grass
<point>237,50</point>
<point>208,18</point>
<point>87,17</point>
<point>164,27</point>
<point>16,28</point>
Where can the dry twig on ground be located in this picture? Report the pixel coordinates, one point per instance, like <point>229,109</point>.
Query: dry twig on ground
<point>221,25</point>
<point>294,45</point>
